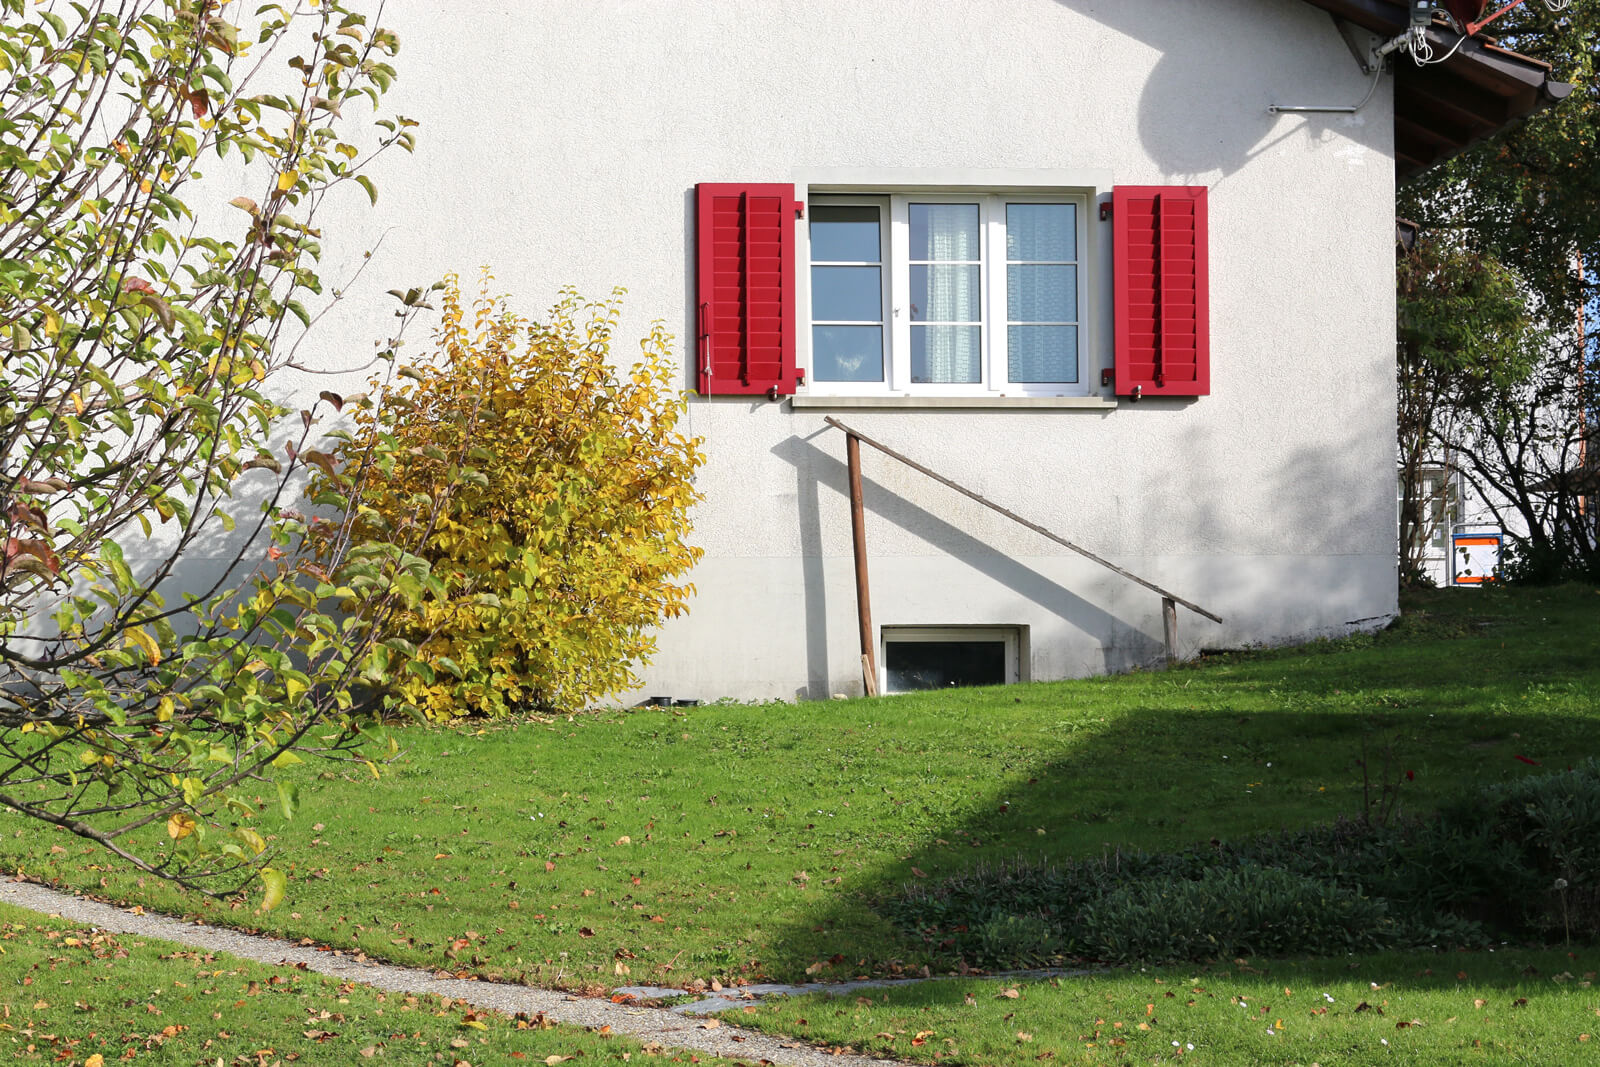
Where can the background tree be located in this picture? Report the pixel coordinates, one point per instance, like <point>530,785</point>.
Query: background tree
<point>1465,340</point>
<point>140,327</point>
<point>1529,201</point>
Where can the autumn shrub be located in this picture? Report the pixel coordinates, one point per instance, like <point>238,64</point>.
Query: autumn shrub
<point>567,485</point>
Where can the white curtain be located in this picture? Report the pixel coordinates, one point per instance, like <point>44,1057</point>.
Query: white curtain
<point>952,351</point>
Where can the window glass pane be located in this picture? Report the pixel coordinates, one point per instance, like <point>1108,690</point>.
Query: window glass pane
<point>946,354</point>
<point>847,353</point>
<point>1041,294</point>
<point>944,232</point>
<point>845,233</point>
<point>1042,353</point>
<point>854,294</point>
<point>941,293</point>
<point>911,665</point>
<point>1047,232</point>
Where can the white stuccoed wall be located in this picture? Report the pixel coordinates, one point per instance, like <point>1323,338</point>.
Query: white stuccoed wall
<point>561,142</point>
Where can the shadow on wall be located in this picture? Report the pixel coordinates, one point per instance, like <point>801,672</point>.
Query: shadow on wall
<point>815,469</point>
<point>1316,501</point>
<point>1183,95</point>
<point>1312,501</point>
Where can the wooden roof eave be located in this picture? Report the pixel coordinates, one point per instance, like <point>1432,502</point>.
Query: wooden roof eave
<point>1440,109</point>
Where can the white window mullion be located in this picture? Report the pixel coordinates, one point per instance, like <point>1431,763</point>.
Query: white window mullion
<point>994,319</point>
<point>899,294</point>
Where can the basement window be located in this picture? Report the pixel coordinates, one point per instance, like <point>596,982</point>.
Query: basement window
<point>916,658</point>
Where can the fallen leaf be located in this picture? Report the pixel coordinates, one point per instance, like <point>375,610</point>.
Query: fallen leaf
<point>711,1024</point>
<point>1008,994</point>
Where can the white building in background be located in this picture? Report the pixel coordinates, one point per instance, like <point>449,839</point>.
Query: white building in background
<point>1060,251</point>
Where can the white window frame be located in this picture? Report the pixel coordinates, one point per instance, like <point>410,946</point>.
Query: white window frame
<point>1012,636</point>
<point>894,234</point>
<point>886,267</point>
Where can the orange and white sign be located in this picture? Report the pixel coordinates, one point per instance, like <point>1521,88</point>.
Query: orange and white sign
<point>1475,558</point>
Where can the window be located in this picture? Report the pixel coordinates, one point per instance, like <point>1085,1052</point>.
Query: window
<point>945,657</point>
<point>946,294</point>
<point>951,299</point>
<point>1439,505</point>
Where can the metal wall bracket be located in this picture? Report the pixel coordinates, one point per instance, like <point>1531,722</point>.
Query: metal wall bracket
<point>1363,44</point>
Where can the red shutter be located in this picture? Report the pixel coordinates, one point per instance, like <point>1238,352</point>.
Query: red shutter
<point>745,287</point>
<point>1160,295</point>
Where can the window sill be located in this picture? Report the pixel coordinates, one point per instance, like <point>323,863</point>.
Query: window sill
<point>1091,403</point>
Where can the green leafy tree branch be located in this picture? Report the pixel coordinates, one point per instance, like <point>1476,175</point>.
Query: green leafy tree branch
<point>138,335</point>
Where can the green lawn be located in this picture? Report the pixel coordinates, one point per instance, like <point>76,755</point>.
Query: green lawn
<point>734,842</point>
<point>74,995</point>
<point>1511,1006</point>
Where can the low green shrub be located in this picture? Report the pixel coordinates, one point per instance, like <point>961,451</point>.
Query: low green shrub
<point>1246,910</point>
<point>1550,865</point>
<point>1008,940</point>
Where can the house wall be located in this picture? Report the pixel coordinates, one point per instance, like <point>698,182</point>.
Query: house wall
<point>561,143</point>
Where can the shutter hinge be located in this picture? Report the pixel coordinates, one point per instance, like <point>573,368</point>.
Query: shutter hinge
<point>1105,376</point>
<point>1105,211</point>
<point>799,209</point>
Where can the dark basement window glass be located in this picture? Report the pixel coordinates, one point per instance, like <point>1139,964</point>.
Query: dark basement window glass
<point>913,665</point>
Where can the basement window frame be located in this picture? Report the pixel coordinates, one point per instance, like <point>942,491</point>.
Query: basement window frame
<point>1014,638</point>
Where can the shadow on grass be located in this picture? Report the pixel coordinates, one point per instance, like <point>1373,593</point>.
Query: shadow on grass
<point>1432,718</point>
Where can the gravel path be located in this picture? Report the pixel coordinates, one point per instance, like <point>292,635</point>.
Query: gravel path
<point>661,1025</point>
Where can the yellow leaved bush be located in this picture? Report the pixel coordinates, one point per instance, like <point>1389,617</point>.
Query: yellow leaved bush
<point>567,486</point>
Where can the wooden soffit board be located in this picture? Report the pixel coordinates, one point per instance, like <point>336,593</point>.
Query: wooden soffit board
<point>1442,108</point>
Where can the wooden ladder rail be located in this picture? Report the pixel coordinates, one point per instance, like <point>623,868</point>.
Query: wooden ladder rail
<point>869,669</point>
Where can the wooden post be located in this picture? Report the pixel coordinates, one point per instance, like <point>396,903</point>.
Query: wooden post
<point>858,536</point>
<point>1169,623</point>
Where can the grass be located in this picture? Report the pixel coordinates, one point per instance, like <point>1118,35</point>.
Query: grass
<point>1511,1006</point>
<point>75,995</point>
<point>737,842</point>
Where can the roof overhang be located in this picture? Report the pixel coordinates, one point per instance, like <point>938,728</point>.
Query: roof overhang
<point>1444,107</point>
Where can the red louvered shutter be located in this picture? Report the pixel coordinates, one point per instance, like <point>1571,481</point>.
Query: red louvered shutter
<point>1160,293</point>
<point>745,287</point>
